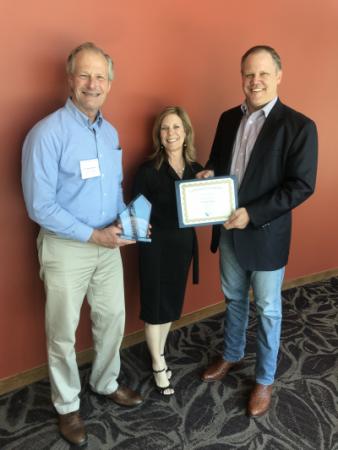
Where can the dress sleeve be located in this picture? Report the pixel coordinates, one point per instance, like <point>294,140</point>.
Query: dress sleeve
<point>142,182</point>
<point>196,167</point>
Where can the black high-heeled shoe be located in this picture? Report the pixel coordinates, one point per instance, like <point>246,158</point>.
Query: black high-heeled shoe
<point>161,389</point>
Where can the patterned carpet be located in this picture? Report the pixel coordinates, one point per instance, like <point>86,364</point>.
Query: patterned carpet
<point>201,416</point>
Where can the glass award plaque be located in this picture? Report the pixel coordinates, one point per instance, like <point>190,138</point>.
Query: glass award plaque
<point>135,220</point>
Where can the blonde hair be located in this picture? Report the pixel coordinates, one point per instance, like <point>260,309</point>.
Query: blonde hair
<point>159,154</point>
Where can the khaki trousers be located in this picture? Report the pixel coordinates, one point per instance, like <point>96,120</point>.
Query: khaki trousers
<point>72,270</point>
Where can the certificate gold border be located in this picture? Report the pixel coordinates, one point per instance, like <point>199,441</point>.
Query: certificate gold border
<point>186,185</point>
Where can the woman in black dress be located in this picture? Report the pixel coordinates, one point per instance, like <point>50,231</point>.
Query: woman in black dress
<point>164,264</point>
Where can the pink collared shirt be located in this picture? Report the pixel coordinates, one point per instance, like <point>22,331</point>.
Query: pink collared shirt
<point>248,131</point>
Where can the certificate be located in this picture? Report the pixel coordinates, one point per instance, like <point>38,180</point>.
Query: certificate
<point>205,201</point>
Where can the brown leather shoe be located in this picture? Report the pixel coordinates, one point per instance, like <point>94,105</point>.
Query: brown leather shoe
<point>217,370</point>
<point>260,399</point>
<point>72,428</point>
<point>124,396</point>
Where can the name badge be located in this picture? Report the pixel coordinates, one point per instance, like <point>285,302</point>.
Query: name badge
<point>90,168</point>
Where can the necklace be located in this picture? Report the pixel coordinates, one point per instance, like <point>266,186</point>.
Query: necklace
<point>178,166</point>
<point>178,171</point>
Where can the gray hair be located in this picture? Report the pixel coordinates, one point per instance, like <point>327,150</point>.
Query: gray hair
<point>70,65</point>
<point>263,48</point>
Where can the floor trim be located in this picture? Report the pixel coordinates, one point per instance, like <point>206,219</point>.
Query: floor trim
<point>38,373</point>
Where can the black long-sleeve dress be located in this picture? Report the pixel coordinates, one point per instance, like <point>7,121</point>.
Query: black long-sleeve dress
<point>164,263</point>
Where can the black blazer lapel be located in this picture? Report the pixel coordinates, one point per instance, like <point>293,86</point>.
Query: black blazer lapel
<point>221,151</point>
<point>232,129</point>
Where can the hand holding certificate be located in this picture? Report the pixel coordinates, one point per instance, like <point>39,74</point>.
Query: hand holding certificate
<point>205,201</point>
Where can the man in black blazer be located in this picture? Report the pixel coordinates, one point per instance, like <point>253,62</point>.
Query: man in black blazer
<point>272,150</point>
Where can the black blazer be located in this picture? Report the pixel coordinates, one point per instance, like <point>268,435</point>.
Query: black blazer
<point>280,175</point>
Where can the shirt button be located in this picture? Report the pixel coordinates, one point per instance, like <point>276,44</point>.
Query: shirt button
<point>103,213</point>
<point>103,175</point>
<point>105,194</point>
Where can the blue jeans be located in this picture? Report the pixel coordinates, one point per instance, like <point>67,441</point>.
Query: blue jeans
<point>266,287</point>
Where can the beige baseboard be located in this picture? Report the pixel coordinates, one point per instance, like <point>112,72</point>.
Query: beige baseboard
<point>38,373</point>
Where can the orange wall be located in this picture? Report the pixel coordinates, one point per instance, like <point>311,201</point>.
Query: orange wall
<point>185,52</point>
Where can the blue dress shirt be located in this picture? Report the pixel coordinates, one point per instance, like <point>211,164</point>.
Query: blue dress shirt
<point>56,196</point>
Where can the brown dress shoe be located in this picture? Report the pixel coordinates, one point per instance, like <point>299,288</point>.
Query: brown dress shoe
<point>217,370</point>
<point>124,396</point>
<point>72,428</point>
<point>260,399</point>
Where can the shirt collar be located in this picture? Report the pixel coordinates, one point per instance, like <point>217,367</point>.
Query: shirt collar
<point>81,117</point>
<point>265,110</point>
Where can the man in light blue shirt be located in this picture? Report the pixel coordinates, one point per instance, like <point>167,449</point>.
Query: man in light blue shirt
<point>71,177</point>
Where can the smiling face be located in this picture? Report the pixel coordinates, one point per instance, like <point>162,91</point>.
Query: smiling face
<point>260,80</point>
<point>89,83</point>
<point>172,133</point>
